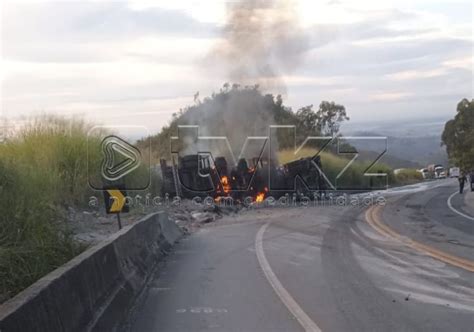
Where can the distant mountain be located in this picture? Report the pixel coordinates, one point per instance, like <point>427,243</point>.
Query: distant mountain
<point>401,128</point>
<point>408,151</point>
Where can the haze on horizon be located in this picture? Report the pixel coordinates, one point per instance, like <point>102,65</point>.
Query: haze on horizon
<point>138,62</point>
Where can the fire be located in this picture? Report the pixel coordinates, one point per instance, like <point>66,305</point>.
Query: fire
<point>260,197</point>
<point>225,184</point>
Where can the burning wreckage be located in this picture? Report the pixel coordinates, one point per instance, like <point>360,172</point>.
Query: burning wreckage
<point>199,175</point>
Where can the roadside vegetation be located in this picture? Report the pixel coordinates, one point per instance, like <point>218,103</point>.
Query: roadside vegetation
<point>42,172</point>
<point>408,176</point>
<point>458,136</point>
<point>45,169</point>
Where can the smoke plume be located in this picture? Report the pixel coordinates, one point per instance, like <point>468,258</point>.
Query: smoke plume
<point>261,42</point>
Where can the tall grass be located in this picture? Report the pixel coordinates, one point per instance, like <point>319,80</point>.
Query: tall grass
<point>352,178</point>
<point>408,176</point>
<point>43,168</point>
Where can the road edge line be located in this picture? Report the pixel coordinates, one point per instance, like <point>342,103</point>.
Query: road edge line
<point>388,232</point>
<point>293,307</point>
<point>456,210</point>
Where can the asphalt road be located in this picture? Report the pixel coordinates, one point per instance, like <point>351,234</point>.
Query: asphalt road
<point>404,266</point>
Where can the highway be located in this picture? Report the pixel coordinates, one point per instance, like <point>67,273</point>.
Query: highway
<point>408,265</point>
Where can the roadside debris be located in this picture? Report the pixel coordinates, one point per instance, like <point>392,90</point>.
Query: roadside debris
<point>190,216</point>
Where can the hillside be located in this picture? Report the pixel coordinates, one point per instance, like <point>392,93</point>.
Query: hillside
<point>238,112</point>
<point>233,112</point>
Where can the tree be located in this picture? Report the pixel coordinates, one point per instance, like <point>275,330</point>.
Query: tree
<point>329,118</point>
<point>308,119</point>
<point>458,136</point>
<point>326,121</point>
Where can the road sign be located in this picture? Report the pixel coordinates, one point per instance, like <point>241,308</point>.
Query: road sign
<point>115,200</point>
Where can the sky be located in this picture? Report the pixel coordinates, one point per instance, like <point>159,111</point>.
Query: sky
<point>137,62</point>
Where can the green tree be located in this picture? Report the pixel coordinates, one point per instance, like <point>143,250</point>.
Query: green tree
<point>458,136</point>
<point>308,119</point>
<point>326,121</point>
<point>330,116</point>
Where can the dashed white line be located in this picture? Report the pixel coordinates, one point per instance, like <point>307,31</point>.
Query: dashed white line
<point>293,307</point>
<point>456,210</point>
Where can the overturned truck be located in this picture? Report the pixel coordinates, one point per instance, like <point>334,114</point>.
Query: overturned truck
<point>200,175</point>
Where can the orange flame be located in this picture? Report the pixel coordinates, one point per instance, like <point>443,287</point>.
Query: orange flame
<point>260,197</point>
<point>225,184</point>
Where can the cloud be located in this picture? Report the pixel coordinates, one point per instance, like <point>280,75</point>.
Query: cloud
<point>390,58</point>
<point>88,31</point>
<point>389,96</point>
<point>416,74</point>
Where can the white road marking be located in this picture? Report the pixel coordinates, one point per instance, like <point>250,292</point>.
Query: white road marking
<point>307,323</point>
<point>456,210</point>
<point>201,310</point>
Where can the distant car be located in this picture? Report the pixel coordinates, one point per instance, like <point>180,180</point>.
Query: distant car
<point>454,172</point>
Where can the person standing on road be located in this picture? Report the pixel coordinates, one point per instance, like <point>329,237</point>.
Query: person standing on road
<point>462,180</point>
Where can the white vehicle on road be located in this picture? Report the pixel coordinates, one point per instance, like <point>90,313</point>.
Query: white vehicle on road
<point>454,172</point>
<point>439,172</point>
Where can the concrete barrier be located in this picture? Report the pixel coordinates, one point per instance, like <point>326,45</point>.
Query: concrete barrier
<point>93,291</point>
